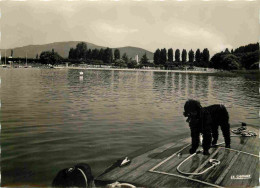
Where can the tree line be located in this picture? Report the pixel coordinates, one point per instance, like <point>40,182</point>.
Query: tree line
<point>244,57</point>
<point>81,52</point>
<point>105,57</point>
<point>167,58</point>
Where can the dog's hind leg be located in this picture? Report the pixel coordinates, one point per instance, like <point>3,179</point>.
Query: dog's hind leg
<point>225,127</point>
<point>214,134</point>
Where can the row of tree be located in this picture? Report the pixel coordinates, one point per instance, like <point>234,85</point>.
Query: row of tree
<point>95,56</point>
<point>244,57</point>
<point>161,57</point>
<point>102,56</point>
<point>81,52</point>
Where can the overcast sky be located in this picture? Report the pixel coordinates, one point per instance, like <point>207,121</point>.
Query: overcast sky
<point>215,25</point>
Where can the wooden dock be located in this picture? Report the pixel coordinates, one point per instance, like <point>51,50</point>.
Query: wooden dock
<point>239,165</point>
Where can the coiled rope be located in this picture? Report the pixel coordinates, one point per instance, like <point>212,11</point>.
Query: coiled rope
<point>213,162</point>
<point>241,131</point>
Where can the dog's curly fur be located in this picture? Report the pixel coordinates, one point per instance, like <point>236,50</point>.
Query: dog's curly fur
<point>206,121</point>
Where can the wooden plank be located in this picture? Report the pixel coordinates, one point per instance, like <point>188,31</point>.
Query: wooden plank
<point>195,164</point>
<point>241,167</point>
<point>138,161</point>
<point>238,169</point>
<point>170,167</point>
<point>253,170</point>
<point>143,168</point>
<point>172,181</point>
<point>182,181</point>
<point>201,167</point>
<point>212,175</point>
<point>149,179</point>
<point>238,143</point>
<point>231,163</point>
<point>255,177</point>
<point>227,166</point>
<point>252,145</point>
<point>173,162</point>
<point>252,165</point>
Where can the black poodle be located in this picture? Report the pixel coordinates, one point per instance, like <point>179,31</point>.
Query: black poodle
<point>206,120</point>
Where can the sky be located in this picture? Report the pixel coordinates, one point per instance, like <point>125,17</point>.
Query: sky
<point>215,25</point>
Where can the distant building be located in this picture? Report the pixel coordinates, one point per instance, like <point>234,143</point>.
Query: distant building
<point>137,59</point>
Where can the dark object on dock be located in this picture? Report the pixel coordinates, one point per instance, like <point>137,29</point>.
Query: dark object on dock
<point>78,176</point>
<point>243,124</point>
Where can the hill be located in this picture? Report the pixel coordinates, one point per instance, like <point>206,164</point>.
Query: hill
<point>63,48</point>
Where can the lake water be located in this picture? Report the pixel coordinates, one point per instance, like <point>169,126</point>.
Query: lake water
<point>52,119</point>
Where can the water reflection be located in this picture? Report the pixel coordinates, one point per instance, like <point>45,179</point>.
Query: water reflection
<point>159,82</point>
<point>176,83</point>
<point>53,118</point>
<point>169,82</point>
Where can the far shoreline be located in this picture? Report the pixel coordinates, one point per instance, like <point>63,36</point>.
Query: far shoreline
<point>196,70</point>
<point>140,70</point>
<point>206,71</point>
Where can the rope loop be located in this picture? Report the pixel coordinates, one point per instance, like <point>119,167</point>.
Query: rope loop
<point>242,131</point>
<point>213,162</point>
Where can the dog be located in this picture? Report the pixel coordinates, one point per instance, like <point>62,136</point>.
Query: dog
<point>206,120</point>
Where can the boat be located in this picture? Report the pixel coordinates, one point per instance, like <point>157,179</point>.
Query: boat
<point>171,165</point>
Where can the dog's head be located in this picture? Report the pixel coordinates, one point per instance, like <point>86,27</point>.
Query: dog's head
<point>192,109</point>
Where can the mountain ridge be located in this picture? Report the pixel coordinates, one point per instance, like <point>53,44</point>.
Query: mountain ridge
<point>63,48</point>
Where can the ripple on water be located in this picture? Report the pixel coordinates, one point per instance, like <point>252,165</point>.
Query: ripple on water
<point>52,119</point>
